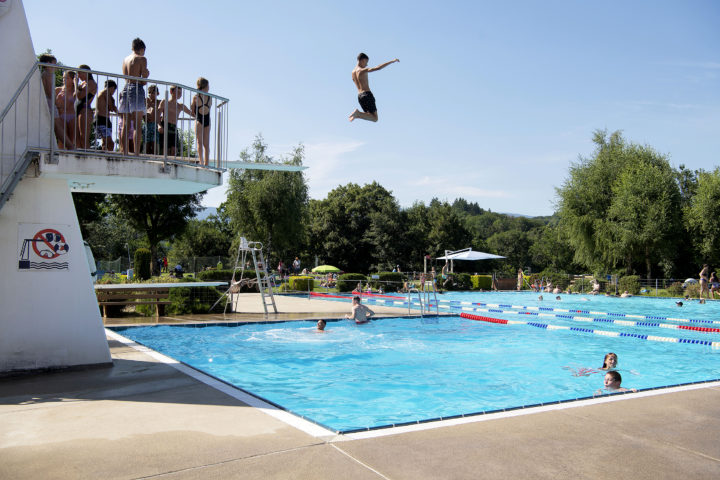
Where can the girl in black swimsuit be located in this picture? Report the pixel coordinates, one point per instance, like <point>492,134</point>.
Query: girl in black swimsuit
<point>201,108</point>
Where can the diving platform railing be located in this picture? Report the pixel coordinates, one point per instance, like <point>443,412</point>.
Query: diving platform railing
<point>26,132</point>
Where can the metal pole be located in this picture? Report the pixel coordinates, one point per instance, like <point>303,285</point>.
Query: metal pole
<point>165,128</point>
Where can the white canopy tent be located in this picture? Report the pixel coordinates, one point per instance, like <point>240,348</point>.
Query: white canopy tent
<point>467,254</point>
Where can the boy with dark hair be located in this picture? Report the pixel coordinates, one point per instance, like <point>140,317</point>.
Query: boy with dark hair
<point>152,119</point>
<point>365,96</point>
<point>132,97</point>
<point>174,109</point>
<point>85,90</point>
<point>103,124</point>
<point>613,379</point>
<point>360,313</point>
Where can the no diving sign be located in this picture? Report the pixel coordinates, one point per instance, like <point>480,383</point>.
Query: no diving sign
<point>43,247</point>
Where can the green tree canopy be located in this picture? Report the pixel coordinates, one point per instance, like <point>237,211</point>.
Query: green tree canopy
<point>269,206</point>
<point>703,217</point>
<point>159,217</point>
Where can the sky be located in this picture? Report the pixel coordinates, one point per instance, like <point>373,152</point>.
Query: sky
<point>491,101</point>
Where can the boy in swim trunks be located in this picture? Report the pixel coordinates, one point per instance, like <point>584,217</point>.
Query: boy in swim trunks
<point>360,313</point>
<point>105,104</point>
<point>174,109</point>
<point>365,96</point>
<point>132,96</point>
<point>152,118</point>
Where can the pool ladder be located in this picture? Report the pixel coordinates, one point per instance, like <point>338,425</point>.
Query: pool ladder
<point>424,299</point>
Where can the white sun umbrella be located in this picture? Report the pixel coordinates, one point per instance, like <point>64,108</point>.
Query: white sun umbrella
<point>468,254</point>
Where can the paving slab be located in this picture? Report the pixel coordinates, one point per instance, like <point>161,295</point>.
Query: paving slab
<point>551,445</point>
<point>317,462</point>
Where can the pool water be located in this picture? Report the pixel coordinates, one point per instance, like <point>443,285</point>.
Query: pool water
<point>398,370</point>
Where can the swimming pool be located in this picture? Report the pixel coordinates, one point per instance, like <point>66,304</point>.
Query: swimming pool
<point>398,370</point>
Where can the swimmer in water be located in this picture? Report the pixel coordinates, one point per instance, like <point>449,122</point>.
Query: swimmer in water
<point>613,380</point>
<point>360,313</point>
<point>558,298</point>
<point>321,326</point>
<point>610,361</point>
<point>540,298</point>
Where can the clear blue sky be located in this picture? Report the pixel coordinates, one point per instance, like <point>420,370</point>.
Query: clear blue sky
<point>491,100</point>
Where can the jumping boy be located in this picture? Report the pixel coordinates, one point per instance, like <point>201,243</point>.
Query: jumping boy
<point>132,96</point>
<point>365,96</point>
<point>105,104</point>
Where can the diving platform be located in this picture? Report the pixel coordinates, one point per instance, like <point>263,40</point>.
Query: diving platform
<point>50,317</point>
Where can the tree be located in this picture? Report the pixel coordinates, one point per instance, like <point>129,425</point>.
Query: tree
<point>620,205</point>
<point>159,217</point>
<point>703,216</point>
<point>357,228</point>
<point>644,217</point>
<point>204,238</point>
<point>269,206</point>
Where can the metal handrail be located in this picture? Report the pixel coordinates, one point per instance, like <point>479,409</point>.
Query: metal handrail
<point>19,90</point>
<point>129,77</point>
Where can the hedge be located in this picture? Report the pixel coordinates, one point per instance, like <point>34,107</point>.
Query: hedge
<point>389,281</point>
<point>302,283</point>
<point>143,257</point>
<point>629,283</point>
<point>459,281</point>
<point>481,282</point>
<point>348,281</point>
<point>582,285</point>
<point>675,290</point>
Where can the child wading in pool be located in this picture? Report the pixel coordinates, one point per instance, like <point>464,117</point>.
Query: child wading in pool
<point>613,380</point>
<point>365,96</point>
<point>360,313</point>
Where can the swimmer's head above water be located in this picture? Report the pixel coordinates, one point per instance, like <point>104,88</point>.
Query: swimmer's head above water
<point>610,361</point>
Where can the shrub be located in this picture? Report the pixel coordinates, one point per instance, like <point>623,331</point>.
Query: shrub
<point>143,258</point>
<point>631,283</point>
<point>692,290</point>
<point>348,281</point>
<point>461,281</point>
<point>675,290</point>
<point>481,282</point>
<point>186,300</point>
<point>389,281</point>
<point>302,283</point>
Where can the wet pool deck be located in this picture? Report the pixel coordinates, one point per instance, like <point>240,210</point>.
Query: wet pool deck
<point>142,419</point>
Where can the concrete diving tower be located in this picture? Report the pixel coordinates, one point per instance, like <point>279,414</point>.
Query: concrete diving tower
<point>49,316</point>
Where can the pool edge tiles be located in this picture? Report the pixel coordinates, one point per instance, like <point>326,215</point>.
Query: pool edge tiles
<point>318,430</point>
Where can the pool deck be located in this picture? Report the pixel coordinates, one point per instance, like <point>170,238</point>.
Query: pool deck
<point>142,418</point>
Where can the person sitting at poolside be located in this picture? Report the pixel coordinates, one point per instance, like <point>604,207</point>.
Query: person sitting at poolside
<point>360,313</point>
<point>549,287</point>
<point>556,290</point>
<point>596,287</point>
<point>610,361</point>
<point>613,380</point>
<point>626,294</point>
<point>321,326</point>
